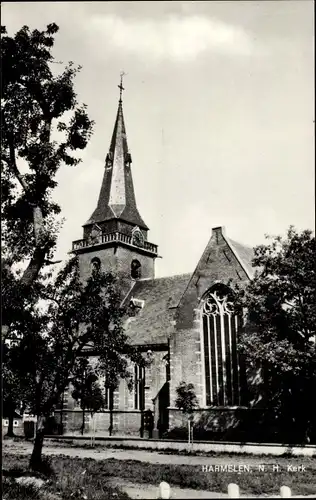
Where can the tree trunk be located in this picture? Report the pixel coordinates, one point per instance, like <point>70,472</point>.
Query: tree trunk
<point>111,412</point>
<point>35,265</point>
<point>11,410</point>
<point>61,429</point>
<point>36,457</point>
<point>10,432</point>
<point>83,421</point>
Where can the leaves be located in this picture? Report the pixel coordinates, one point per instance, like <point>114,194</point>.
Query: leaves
<point>87,388</point>
<point>54,338</point>
<point>48,322</point>
<point>280,331</point>
<point>35,101</point>
<point>186,399</point>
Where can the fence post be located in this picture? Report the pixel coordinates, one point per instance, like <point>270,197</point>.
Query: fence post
<point>233,490</point>
<point>285,492</point>
<point>164,490</point>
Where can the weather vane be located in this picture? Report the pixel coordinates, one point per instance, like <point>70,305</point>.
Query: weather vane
<point>120,86</point>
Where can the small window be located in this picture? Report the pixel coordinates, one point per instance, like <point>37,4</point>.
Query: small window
<point>95,265</point>
<point>136,270</point>
<point>6,422</point>
<point>15,423</point>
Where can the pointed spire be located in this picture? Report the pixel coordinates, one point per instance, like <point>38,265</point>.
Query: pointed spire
<point>117,197</point>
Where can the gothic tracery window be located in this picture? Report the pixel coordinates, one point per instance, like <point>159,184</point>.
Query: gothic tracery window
<point>220,328</point>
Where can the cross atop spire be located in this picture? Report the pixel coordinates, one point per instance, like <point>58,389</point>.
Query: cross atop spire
<point>120,86</point>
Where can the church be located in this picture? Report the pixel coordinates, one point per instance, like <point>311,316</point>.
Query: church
<point>185,324</point>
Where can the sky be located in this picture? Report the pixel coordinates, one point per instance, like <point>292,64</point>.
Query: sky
<point>219,114</point>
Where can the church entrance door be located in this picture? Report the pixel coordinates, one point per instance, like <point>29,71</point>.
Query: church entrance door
<point>163,412</point>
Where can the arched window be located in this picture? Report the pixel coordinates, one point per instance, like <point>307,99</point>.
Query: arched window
<point>221,365</point>
<point>139,387</point>
<point>95,264</point>
<point>136,269</point>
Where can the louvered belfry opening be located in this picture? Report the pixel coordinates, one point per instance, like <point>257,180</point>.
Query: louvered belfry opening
<point>221,324</point>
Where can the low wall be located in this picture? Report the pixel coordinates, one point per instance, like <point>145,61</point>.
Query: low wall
<point>239,424</point>
<point>212,419</point>
<point>17,431</point>
<point>205,447</point>
<point>124,422</point>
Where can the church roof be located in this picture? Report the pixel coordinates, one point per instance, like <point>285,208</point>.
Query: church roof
<point>159,298</point>
<point>244,254</point>
<point>153,322</point>
<point>117,196</point>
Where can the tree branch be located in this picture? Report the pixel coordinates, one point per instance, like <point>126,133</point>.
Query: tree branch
<point>12,163</point>
<point>38,259</point>
<point>36,263</point>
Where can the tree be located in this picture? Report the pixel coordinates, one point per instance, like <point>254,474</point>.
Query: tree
<point>186,401</point>
<point>36,140</point>
<point>14,390</point>
<point>279,335</point>
<point>78,320</point>
<point>52,321</point>
<point>87,390</point>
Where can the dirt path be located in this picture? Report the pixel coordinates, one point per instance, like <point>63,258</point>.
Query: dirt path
<point>152,457</point>
<point>133,489</point>
<point>140,490</point>
<point>150,491</point>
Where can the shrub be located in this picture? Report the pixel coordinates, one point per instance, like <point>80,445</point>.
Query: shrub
<point>177,433</point>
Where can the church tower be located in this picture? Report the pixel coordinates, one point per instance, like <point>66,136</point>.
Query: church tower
<point>115,236</point>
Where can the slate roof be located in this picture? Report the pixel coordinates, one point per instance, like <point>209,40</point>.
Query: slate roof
<point>244,254</point>
<point>152,323</point>
<point>117,196</point>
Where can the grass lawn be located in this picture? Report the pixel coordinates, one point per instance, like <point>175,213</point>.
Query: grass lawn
<point>86,479</point>
<point>71,479</point>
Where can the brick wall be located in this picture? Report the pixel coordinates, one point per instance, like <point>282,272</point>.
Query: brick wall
<point>117,260</point>
<point>215,419</point>
<point>185,355</point>
<point>217,264</point>
<point>129,423</point>
<point>126,419</point>
<point>102,422</point>
<point>18,428</point>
